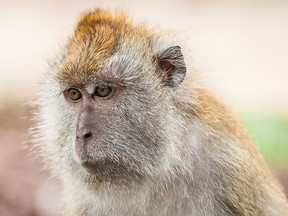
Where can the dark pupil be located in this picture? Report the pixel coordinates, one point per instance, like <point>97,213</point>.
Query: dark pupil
<point>103,91</point>
<point>74,94</point>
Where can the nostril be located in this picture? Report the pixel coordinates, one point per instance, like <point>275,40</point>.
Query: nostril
<point>87,136</point>
<point>84,133</point>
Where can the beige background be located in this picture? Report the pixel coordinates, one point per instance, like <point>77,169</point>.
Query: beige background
<point>240,46</point>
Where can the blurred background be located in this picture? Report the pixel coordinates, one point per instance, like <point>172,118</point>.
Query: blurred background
<point>240,47</point>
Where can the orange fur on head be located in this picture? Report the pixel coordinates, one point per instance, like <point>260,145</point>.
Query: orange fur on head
<point>95,39</point>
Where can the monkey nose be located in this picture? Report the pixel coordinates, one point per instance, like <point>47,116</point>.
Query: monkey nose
<point>83,134</point>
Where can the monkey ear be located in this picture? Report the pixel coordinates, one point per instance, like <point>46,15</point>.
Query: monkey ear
<point>172,66</point>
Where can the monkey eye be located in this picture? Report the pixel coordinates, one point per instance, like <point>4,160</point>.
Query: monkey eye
<point>74,94</point>
<point>103,91</point>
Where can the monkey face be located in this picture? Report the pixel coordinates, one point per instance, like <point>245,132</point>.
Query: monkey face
<point>120,126</point>
<point>113,101</point>
<point>118,131</point>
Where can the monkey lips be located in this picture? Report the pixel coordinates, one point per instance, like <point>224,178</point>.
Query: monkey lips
<point>106,170</point>
<point>98,167</point>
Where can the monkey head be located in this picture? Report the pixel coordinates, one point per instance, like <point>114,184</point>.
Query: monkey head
<point>109,94</point>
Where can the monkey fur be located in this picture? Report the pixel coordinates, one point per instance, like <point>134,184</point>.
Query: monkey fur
<point>128,128</point>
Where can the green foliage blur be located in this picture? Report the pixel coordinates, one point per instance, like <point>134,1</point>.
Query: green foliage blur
<point>271,135</point>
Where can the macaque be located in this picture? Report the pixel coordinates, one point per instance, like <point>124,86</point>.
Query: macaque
<point>126,125</point>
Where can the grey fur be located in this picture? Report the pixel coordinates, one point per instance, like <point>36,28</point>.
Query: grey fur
<point>182,166</point>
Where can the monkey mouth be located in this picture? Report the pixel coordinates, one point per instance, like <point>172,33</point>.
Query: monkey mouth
<point>107,170</point>
<point>99,167</point>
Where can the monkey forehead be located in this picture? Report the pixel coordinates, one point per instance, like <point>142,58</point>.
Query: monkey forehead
<point>99,36</point>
